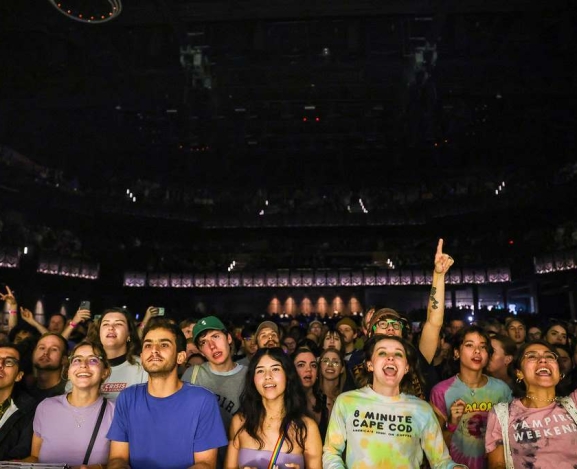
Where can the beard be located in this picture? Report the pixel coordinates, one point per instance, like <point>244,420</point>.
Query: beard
<point>47,367</point>
<point>159,370</point>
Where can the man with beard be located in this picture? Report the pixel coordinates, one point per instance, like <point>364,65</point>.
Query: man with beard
<point>165,423</point>
<point>48,359</point>
<point>267,335</point>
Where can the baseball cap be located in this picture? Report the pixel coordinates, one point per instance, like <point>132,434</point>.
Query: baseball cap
<point>209,323</point>
<point>264,324</point>
<point>385,313</point>
<point>347,322</point>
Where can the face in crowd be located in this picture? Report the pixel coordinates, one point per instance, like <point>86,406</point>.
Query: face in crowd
<point>268,338</point>
<point>49,353</point>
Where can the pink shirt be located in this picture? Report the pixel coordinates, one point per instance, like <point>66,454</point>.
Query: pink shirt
<point>539,438</point>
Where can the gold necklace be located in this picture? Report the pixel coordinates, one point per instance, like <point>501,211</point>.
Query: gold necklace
<point>533,398</point>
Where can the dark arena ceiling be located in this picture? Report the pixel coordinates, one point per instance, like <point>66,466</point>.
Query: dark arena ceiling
<point>436,103</point>
<point>322,91</point>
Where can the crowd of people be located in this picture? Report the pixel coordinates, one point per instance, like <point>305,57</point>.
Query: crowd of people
<point>101,391</point>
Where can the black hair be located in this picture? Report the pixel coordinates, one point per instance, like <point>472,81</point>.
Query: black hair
<point>459,337</point>
<point>252,408</point>
<point>165,323</point>
<point>316,386</point>
<point>519,388</point>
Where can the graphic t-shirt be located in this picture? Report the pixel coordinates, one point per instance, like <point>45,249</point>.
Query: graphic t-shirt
<point>540,438</point>
<point>468,441</point>
<point>378,431</point>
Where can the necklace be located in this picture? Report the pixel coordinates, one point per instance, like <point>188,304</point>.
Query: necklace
<point>533,398</point>
<point>79,413</point>
<point>272,419</point>
<point>473,386</point>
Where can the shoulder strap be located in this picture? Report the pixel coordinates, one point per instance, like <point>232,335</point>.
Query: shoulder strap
<point>502,412</point>
<point>569,406</point>
<point>95,432</point>
<point>195,370</point>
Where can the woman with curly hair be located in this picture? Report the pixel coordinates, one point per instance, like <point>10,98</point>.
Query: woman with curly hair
<point>117,333</point>
<point>384,424</point>
<point>272,427</point>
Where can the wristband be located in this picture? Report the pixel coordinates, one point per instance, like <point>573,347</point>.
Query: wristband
<point>451,427</point>
<point>13,312</point>
<point>72,324</point>
<point>141,325</point>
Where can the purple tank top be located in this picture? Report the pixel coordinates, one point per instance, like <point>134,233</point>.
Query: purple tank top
<point>260,459</point>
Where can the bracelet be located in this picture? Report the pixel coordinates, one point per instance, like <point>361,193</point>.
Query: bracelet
<point>72,324</point>
<point>141,325</point>
<point>451,427</point>
<point>13,312</point>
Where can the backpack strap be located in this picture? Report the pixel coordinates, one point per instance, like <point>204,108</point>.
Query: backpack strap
<point>502,412</point>
<point>569,406</point>
<point>195,371</point>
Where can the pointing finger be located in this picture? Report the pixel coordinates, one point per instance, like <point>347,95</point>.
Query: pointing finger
<point>440,247</point>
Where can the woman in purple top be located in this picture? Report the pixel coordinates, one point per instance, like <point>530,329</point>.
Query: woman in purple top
<point>63,425</point>
<point>273,406</point>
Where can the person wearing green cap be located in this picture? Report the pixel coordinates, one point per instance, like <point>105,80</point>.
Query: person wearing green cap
<point>219,374</point>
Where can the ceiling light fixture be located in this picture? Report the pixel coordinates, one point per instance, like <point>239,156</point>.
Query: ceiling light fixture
<point>110,9</point>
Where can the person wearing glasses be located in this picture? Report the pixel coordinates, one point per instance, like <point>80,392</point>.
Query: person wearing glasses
<point>333,378</point>
<point>388,322</point>
<point>541,429</point>
<point>64,425</point>
<point>16,407</point>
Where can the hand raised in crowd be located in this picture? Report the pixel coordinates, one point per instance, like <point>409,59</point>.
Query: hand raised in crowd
<point>443,261</point>
<point>81,316</point>
<point>28,316</point>
<point>8,297</point>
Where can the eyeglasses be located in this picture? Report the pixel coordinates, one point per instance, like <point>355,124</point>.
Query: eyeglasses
<point>327,362</point>
<point>385,323</point>
<point>549,357</point>
<point>9,362</point>
<point>78,360</point>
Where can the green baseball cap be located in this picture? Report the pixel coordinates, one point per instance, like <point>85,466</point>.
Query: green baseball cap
<point>209,323</point>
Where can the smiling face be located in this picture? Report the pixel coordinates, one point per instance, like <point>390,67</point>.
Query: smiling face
<point>270,378</point>
<point>556,335</point>
<point>331,365</point>
<point>536,370</point>
<point>86,370</point>
<point>215,346</point>
<point>389,365</point>
<point>159,353</point>
<point>473,352</point>
<point>307,369</point>
<point>114,332</point>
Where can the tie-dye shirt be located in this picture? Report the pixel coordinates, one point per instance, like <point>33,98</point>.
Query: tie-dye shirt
<point>379,431</point>
<point>468,441</point>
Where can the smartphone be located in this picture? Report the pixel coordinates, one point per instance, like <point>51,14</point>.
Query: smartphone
<point>85,305</point>
<point>97,317</point>
<point>161,311</point>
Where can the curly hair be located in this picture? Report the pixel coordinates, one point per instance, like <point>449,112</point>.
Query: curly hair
<point>251,402</point>
<point>412,382</point>
<point>133,345</point>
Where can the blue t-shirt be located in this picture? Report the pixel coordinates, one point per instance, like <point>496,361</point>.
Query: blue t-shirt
<point>165,433</point>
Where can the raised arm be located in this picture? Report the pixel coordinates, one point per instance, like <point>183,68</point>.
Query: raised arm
<point>11,306</point>
<point>436,306</point>
<point>151,312</point>
<point>80,316</point>
<point>29,318</point>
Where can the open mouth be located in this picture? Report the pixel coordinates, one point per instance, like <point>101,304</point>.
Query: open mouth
<point>543,372</point>
<point>83,375</point>
<point>217,355</point>
<point>390,370</point>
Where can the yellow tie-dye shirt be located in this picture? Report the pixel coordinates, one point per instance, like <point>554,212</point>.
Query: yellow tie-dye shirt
<point>383,432</point>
